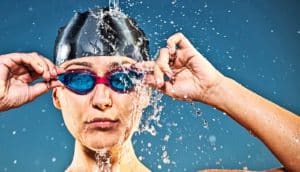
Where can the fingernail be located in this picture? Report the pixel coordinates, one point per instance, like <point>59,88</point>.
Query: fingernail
<point>53,73</point>
<point>159,82</point>
<point>47,75</point>
<point>170,74</point>
<point>40,66</point>
<point>171,50</point>
<point>133,66</point>
<point>48,85</point>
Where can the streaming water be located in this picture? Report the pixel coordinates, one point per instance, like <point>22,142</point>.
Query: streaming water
<point>103,161</point>
<point>140,120</point>
<point>114,4</point>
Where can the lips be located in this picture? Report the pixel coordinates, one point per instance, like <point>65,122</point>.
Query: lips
<point>102,123</point>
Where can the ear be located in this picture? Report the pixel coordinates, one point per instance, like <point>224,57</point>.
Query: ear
<point>55,98</point>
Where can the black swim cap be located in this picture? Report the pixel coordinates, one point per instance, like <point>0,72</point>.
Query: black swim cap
<point>100,32</point>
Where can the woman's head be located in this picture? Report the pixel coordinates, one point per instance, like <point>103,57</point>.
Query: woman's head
<point>98,42</point>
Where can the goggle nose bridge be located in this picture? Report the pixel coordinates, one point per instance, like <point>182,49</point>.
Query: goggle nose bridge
<point>102,80</point>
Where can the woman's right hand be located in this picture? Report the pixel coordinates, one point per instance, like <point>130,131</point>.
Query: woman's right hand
<point>18,71</point>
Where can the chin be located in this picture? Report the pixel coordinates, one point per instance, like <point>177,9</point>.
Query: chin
<point>103,139</point>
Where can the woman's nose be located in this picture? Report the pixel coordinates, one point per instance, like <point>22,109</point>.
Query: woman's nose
<point>101,97</point>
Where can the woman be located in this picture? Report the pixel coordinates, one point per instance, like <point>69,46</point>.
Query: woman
<point>101,98</point>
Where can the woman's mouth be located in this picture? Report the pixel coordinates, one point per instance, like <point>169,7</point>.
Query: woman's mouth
<point>102,124</point>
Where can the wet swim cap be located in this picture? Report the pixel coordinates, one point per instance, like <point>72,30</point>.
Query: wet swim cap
<point>100,32</point>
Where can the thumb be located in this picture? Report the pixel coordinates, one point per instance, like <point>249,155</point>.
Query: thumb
<point>168,89</point>
<point>4,73</point>
<point>41,88</point>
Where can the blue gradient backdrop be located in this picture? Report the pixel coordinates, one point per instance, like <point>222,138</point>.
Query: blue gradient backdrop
<point>253,41</point>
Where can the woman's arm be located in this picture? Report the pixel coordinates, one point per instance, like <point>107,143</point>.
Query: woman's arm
<point>193,78</point>
<point>277,127</point>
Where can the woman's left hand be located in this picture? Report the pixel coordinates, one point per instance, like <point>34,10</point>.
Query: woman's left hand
<point>191,76</point>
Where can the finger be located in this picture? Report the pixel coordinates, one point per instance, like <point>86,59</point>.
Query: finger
<point>150,80</point>
<point>41,88</point>
<point>27,59</point>
<point>178,39</point>
<point>59,70</point>
<point>52,68</point>
<point>163,62</point>
<point>4,73</point>
<point>168,89</point>
<point>159,76</point>
<point>46,73</point>
<point>31,61</point>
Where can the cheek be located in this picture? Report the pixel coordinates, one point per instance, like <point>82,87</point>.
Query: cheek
<point>72,107</point>
<point>129,110</point>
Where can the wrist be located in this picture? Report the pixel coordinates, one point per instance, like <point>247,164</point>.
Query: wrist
<point>218,95</point>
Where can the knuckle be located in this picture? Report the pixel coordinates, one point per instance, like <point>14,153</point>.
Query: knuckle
<point>163,50</point>
<point>34,54</point>
<point>179,34</point>
<point>2,90</point>
<point>169,40</point>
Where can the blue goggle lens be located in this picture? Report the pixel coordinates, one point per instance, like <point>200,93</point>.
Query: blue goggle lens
<point>78,82</point>
<point>124,81</point>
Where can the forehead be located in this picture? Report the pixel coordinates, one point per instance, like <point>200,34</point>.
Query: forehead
<point>99,61</point>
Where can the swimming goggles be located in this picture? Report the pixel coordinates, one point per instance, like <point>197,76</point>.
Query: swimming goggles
<point>82,81</point>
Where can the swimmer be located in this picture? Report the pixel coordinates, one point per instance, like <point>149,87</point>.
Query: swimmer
<point>93,83</point>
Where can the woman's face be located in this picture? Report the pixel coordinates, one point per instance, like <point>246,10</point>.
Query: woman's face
<point>103,117</point>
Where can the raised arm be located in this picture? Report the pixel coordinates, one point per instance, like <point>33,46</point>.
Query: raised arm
<point>192,77</point>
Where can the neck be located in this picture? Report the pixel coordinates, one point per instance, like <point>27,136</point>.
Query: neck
<point>120,158</point>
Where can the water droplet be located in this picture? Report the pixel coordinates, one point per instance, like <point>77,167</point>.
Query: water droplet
<point>212,139</point>
<point>166,138</point>
<point>30,9</point>
<point>53,159</point>
<point>205,124</point>
<point>245,168</point>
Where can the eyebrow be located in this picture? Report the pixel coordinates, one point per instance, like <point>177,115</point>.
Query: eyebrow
<point>118,64</point>
<point>86,64</point>
<point>90,65</point>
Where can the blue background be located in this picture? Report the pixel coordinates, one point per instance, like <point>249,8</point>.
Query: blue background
<point>253,41</point>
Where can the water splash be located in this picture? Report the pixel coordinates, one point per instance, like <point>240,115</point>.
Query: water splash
<point>151,119</point>
<point>103,161</point>
<point>114,4</point>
